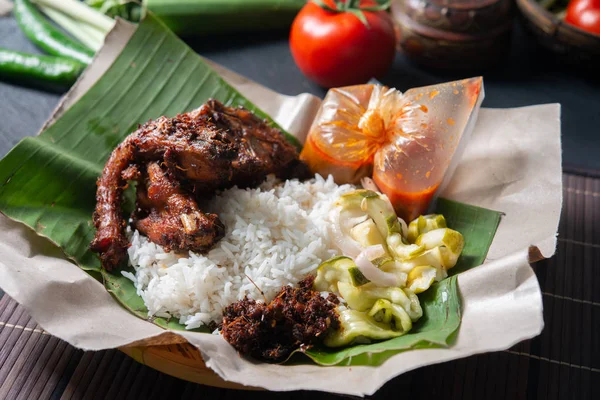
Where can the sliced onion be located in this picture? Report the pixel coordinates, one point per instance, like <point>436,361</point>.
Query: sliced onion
<point>404,227</point>
<point>370,271</point>
<point>351,222</point>
<point>375,251</point>
<point>369,184</point>
<point>343,241</point>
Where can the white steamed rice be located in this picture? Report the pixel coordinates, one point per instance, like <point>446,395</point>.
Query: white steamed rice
<point>276,234</point>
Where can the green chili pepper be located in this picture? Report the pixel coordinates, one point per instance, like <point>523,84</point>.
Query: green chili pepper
<point>46,36</point>
<point>31,69</point>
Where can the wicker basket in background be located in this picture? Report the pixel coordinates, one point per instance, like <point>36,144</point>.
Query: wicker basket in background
<point>569,42</point>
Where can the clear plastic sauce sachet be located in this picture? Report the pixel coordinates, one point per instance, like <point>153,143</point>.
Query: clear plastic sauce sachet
<point>409,143</point>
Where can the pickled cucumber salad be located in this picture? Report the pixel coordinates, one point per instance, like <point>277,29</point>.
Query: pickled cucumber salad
<point>385,264</point>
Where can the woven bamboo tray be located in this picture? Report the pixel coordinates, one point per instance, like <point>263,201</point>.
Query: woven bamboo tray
<point>182,361</point>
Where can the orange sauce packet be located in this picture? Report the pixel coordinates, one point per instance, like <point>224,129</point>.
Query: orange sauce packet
<point>409,143</point>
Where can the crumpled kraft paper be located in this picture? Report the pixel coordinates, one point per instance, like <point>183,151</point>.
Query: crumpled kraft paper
<point>512,164</point>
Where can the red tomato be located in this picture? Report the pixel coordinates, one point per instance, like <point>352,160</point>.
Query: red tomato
<point>336,49</point>
<point>584,14</point>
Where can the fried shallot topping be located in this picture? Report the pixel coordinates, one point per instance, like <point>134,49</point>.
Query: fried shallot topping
<point>296,318</point>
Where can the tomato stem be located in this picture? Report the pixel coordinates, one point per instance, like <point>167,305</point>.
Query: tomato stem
<point>354,7</point>
<point>327,7</point>
<point>341,6</point>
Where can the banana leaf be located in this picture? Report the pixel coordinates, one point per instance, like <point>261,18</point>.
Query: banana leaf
<point>48,182</point>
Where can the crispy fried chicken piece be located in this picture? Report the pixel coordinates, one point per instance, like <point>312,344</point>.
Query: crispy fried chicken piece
<point>297,317</point>
<point>213,147</point>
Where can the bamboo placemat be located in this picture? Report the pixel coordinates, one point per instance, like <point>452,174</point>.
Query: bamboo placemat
<point>562,363</point>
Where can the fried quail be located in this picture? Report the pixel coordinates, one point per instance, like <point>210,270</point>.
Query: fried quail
<point>169,216</point>
<point>177,161</point>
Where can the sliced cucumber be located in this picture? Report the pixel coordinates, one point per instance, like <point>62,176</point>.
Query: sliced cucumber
<point>331,272</point>
<point>402,250</point>
<point>433,258</point>
<point>358,279</point>
<point>424,224</point>
<point>389,313</point>
<point>450,243</point>
<point>421,278</point>
<point>357,326</point>
<point>367,234</point>
<point>376,206</point>
<point>362,299</point>
<point>335,270</point>
<point>452,239</point>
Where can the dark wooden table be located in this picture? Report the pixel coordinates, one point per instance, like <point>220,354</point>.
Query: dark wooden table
<point>562,363</point>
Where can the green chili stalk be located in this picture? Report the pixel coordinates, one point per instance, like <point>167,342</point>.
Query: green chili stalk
<point>31,69</point>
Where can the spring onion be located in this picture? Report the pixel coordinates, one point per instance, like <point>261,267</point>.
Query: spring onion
<point>86,34</point>
<point>80,12</point>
